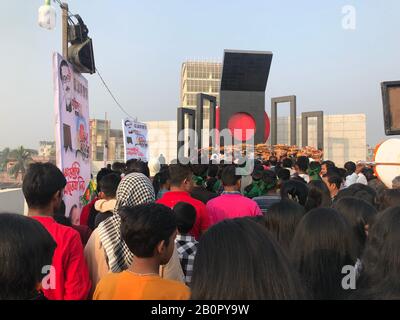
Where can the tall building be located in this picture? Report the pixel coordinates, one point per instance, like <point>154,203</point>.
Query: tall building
<point>100,132</point>
<point>199,77</point>
<point>116,145</point>
<point>345,137</point>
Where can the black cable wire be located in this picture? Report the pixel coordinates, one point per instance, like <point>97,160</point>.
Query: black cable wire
<point>61,5</point>
<point>112,95</point>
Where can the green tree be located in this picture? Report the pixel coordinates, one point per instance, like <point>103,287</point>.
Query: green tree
<point>22,158</point>
<point>5,154</point>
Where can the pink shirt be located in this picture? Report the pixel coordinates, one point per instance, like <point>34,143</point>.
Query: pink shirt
<point>230,206</point>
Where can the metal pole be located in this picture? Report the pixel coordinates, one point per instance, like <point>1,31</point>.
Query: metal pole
<point>64,8</point>
<point>105,154</point>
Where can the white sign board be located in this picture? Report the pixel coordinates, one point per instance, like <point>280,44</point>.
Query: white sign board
<point>135,140</point>
<point>71,102</point>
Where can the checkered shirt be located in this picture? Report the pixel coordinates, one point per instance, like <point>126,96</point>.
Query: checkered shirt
<point>186,246</point>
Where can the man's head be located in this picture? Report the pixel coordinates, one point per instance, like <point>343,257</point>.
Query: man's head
<point>302,164</point>
<point>287,163</point>
<point>284,174</point>
<point>396,183</point>
<point>109,185</point>
<point>185,215</point>
<point>359,168</point>
<point>270,180</point>
<point>43,186</point>
<point>230,179</point>
<point>273,161</point>
<point>333,181</point>
<point>149,231</point>
<point>181,177</point>
<point>100,175</point>
<point>257,172</point>
<point>350,167</point>
<point>212,171</point>
<point>369,174</point>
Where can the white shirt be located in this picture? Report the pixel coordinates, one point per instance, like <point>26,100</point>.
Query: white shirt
<point>306,177</point>
<point>351,179</point>
<point>362,179</point>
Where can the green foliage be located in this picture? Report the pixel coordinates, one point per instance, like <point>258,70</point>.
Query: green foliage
<point>22,158</point>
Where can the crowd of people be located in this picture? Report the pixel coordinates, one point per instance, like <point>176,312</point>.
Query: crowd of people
<point>204,231</point>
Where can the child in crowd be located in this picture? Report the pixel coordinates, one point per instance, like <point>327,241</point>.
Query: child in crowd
<point>106,204</point>
<point>149,231</point>
<point>186,244</point>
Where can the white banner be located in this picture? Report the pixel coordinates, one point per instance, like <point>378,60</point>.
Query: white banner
<point>135,140</point>
<point>71,105</point>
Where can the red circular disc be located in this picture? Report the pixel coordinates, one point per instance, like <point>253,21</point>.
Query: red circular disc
<point>239,123</point>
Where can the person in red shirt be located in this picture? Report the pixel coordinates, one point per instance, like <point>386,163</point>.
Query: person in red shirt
<point>69,277</point>
<point>181,181</point>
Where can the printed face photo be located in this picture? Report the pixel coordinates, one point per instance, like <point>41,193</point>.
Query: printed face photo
<point>66,82</point>
<point>75,215</point>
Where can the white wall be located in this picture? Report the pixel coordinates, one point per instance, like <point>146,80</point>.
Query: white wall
<point>12,201</point>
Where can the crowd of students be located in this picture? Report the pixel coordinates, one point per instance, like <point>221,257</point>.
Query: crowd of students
<point>178,232</point>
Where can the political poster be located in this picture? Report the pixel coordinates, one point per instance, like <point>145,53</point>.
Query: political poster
<point>71,106</point>
<point>135,140</point>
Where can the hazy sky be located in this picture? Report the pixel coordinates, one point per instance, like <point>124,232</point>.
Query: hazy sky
<point>140,46</point>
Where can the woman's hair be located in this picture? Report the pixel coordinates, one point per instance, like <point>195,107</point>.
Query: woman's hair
<point>160,179</point>
<point>26,248</point>
<point>389,198</point>
<point>139,166</point>
<point>359,191</point>
<point>282,219</point>
<point>381,259</point>
<point>358,214</point>
<point>239,260</point>
<point>321,247</point>
<point>295,190</point>
<point>318,195</point>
